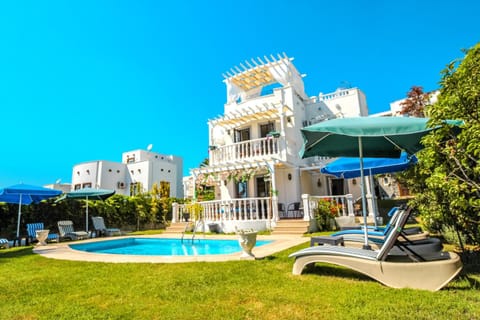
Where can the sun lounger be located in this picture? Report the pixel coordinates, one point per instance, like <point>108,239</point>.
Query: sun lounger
<point>102,230</point>
<point>393,271</point>
<point>32,232</point>
<point>418,248</point>
<point>4,243</point>
<point>66,230</point>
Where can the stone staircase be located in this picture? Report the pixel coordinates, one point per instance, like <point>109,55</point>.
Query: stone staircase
<point>284,227</point>
<point>291,226</point>
<point>176,228</point>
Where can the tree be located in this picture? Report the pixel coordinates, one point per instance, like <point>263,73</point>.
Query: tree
<point>447,181</point>
<point>416,102</point>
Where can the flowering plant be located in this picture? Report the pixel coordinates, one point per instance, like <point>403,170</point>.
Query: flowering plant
<point>327,209</point>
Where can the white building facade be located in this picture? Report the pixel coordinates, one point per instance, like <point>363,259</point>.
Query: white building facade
<point>254,161</point>
<point>137,172</point>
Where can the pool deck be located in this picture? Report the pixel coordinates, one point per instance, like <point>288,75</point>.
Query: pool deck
<point>62,251</point>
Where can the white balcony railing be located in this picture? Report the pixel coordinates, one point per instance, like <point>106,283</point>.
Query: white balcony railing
<point>261,208</point>
<point>344,202</point>
<point>245,150</point>
<point>247,209</point>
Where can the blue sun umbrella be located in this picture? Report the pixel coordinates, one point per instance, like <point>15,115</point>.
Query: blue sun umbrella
<point>25,194</point>
<point>348,168</point>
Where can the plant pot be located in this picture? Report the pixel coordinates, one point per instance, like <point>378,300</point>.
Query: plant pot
<point>214,227</point>
<point>247,241</point>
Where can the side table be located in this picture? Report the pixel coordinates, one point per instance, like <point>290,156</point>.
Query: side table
<point>331,240</point>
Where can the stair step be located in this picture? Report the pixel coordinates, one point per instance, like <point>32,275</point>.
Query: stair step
<point>291,227</point>
<point>283,227</point>
<point>177,227</point>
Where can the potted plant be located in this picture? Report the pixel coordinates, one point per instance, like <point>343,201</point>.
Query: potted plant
<point>247,238</point>
<point>325,214</point>
<point>273,134</point>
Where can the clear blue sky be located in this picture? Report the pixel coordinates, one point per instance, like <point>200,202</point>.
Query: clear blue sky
<point>87,80</point>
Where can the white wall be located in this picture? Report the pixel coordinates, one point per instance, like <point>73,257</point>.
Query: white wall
<point>148,168</point>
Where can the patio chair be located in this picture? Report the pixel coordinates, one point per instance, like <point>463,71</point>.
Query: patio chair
<point>32,232</point>
<point>4,243</point>
<point>392,271</point>
<point>65,228</point>
<point>102,230</point>
<point>295,209</point>
<point>281,210</point>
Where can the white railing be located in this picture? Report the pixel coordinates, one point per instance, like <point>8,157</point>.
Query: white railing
<point>343,202</point>
<point>251,149</point>
<point>336,94</point>
<point>247,209</point>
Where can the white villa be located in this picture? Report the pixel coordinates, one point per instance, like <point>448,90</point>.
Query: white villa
<point>137,172</point>
<point>254,164</point>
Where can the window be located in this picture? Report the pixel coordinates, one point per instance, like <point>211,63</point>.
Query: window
<point>242,189</point>
<point>242,135</point>
<point>77,187</point>
<point>131,159</point>
<point>87,185</point>
<point>266,128</point>
<point>135,188</point>
<point>263,187</point>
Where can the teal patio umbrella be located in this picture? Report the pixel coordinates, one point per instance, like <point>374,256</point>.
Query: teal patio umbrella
<point>25,194</point>
<point>374,137</point>
<point>88,194</point>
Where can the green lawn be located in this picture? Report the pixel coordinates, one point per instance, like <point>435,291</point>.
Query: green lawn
<point>33,287</point>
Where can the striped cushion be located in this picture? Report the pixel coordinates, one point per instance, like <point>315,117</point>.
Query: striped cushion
<point>4,242</point>
<point>33,227</point>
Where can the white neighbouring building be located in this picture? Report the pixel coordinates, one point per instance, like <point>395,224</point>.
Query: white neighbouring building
<point>137,172</point>
<point>254,164</point>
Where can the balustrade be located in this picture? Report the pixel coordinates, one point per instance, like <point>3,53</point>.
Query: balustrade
<point>247,209</point>
<point>240,151</point>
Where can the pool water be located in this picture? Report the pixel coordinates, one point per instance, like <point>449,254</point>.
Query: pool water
<point>163,247</point>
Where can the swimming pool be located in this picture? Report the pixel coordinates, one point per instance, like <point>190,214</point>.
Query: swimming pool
<point>163,246</point>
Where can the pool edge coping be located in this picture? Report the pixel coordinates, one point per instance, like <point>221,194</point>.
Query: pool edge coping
<point>62,251</point>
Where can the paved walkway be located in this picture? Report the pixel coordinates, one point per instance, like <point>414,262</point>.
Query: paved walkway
<point>62,251</point>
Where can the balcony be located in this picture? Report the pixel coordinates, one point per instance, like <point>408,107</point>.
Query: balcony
<point>251,150</point>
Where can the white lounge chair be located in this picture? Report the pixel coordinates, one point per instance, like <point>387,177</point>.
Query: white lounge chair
<point>65,228</point>
<point>102,230</point>
<point>393,271</point>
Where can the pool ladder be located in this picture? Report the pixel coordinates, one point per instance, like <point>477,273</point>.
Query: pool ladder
<point>197,223</point>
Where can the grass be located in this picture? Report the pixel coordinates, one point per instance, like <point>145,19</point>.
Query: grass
<point>33,287</point>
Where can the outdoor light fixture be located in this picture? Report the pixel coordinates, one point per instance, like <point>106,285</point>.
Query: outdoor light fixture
<point>289,176</point>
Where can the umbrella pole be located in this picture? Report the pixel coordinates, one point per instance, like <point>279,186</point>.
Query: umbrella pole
<point>364,202</point>
<point>86,218</point>
<point>371,185</point>
<point>19,215</point>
